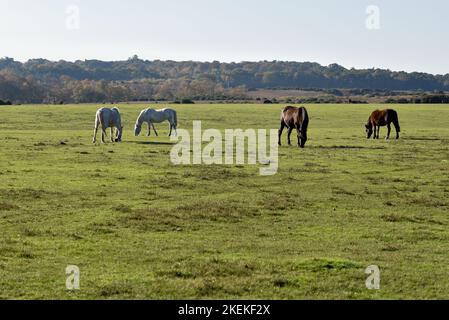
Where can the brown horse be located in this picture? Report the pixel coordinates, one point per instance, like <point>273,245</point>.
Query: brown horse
<point>295,118</point>
<point>382,118</point>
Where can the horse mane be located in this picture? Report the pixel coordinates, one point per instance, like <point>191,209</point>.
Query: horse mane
<point>369,123</point>
<point>140,119</point>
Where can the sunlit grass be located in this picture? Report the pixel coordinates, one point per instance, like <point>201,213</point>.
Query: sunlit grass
<point>139,227</point>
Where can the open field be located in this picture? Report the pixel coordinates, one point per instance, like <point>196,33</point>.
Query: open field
<point>140,228</point>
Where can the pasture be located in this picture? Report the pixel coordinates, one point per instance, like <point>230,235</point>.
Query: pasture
<point>140,228</point>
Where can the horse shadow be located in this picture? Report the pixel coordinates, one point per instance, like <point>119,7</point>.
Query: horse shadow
<point>153,143</point>
<point>346,147</point>
<point>421,139</point>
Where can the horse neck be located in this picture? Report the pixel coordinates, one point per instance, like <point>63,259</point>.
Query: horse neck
<point>142,118</point>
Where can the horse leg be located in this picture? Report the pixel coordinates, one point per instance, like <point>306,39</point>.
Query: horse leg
<point>149,129</point>
<point>94,140</point>
<point>378,132</point>
<point>280,132</point>
<point>389,131</point>
<point>112,134</point>
<point>152,124</point>
<point>103,135</point>
<point>290,130</point>
<point>398,128</point>
<point>298,131</point>
<point>171,130</point>
<point>375,132</point>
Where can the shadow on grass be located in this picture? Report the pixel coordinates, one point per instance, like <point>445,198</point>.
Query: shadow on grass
<point>154,143</point>
<point>422,139</point>
<point>347,147</point>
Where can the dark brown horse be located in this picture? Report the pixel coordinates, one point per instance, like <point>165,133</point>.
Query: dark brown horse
<point>295,118</point>
<point>382,118</point>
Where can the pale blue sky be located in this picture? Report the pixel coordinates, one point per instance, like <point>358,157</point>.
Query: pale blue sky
<point>414,35</point>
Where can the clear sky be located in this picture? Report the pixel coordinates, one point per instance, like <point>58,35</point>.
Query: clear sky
<point>413,34</point>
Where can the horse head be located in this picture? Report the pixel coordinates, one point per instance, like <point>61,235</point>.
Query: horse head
<point>119,135</point>
<point>369,130</point>
<point>137,129</point>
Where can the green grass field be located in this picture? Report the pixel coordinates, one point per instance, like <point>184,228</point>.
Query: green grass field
<point>140,228</point>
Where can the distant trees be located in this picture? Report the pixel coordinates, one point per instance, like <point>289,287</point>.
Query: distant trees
<point>40,80</point>
<point>184,101</point>
<point>424,98</point>
<point>15,87</point>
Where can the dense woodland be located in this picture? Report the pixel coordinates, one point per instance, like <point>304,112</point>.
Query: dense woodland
<point>43,81</point>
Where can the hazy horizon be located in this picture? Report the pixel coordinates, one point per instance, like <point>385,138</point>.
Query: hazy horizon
<point>408,37</point>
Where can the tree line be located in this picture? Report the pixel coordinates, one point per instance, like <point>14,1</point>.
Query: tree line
<point>44,81</point>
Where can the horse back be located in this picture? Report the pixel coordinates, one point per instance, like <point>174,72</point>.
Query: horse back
<point>293,116</point>
<point>109,117</point>
<point>161,115</point>
<point>167,111</point>
<point>384,117</point>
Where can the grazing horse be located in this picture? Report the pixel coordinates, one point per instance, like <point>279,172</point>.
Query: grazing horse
<point>152,116</point>
<point>382,118</point>
<point>108,118</point>
<point>295,118</point>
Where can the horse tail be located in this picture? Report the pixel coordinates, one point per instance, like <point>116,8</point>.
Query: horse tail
<point>305,119</point>
<point>175,119</point>
<point>101,120</point>
<point>98,119</point>
<point>396,122</point>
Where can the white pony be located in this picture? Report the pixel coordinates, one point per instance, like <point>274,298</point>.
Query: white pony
<point>152,116</point>
<point>108,118</point>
